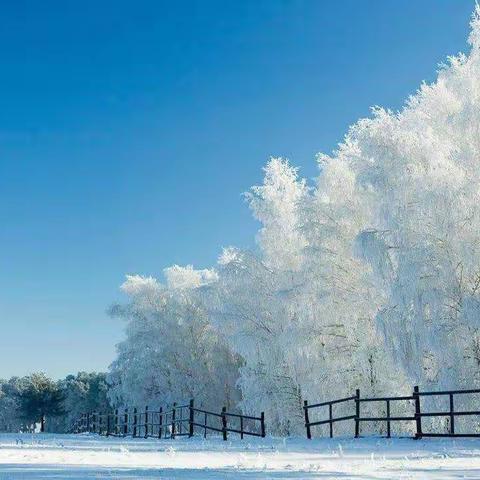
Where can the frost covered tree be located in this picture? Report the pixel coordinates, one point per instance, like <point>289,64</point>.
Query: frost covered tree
<point>10,420</point>
<point>369,278</point>
<point>83,392</point>
<point>171,351</point>
<point>303,314</point>
<point>411,180</point>
<point>416,174</point>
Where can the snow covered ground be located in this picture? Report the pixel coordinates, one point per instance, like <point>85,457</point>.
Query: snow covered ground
<point>90,457</point>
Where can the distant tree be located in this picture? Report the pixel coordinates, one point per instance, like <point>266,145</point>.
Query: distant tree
<point>39,398</point>
<point>9,415</point>
<point>83,392</point>
<point>35,398</point>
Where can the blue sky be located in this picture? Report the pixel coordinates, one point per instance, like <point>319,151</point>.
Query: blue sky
<point>129,130</point>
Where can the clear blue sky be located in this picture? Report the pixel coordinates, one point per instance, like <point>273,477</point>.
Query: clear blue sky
<point>129,130</point>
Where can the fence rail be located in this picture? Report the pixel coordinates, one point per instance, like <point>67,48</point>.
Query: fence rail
<point>176,421</point>
<point>417,413</point>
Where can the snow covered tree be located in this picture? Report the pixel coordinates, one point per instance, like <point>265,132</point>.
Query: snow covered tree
<point>10,420</point>
<point>172,352</point>
<point>302,315</point>
<point>416,174</point>
<point>370,278</point>
<point>83,392</point>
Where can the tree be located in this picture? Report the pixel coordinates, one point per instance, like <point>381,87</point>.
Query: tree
<point>369,278</point>
<point>9,396</point>
<point>172,351</point>
<point>39,398</point>
<point>83,392</point>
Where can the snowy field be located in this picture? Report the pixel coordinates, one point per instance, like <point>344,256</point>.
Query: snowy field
<point>90,457</point>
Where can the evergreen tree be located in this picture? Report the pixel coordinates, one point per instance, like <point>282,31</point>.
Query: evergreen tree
<point>40,398</point>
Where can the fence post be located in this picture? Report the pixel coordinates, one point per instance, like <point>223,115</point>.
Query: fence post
<point>173,419</point>
<point>116,422</point>
<point>418,418</point>
<point>160,422</point>
<point>330,417</point>
<point>108,424</point>
<point>241,427</point>
<point>262,423</point>
<point>388,421</point>
<point>191,419</point>
<point>134,432</point>
<point>357,413</point>
<point>146,421</point>
<point>307,421</point>
<point>205,429</point>
<point>180,422</point>
<point>452,416</point>
<point>125,423</point>
<point>100,423</point>
<point>224,423</point>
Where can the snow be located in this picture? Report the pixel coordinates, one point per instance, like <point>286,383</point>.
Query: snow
<point>81,457</point>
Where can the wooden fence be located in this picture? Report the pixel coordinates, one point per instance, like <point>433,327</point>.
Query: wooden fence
<point>171,422</point>
<point>415,404</point>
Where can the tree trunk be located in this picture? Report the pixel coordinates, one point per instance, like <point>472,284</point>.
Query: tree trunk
<point>42,423</point>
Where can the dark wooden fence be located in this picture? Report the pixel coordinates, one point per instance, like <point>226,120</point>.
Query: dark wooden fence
<point>418,411</point>
<point>170,422</point>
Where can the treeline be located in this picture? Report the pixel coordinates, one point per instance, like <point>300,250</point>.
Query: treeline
<point>366,277</point>
<point>36,402</point>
